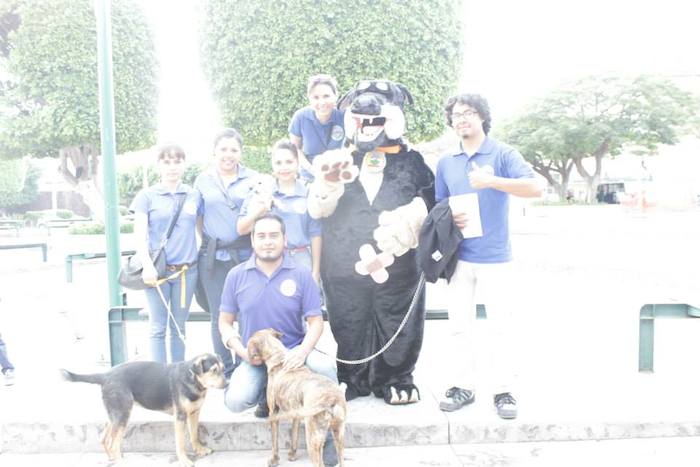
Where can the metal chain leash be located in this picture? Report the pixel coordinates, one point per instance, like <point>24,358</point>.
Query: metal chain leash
<point>411,307</point>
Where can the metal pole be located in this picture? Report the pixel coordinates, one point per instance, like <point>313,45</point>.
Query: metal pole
<point>107,140</point>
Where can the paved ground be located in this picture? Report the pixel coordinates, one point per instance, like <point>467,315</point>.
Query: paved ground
<point>586,271</point>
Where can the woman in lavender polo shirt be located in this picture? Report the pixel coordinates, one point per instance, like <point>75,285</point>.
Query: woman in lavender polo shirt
<point>154,208</point>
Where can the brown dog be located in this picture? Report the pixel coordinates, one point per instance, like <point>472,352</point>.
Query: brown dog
<point>299,393</point>
<point>178,389</point>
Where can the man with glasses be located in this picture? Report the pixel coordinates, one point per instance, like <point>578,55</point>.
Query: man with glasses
<point>484,172</point>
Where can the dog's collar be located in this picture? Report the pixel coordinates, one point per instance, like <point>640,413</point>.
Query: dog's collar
<point>396,148</point>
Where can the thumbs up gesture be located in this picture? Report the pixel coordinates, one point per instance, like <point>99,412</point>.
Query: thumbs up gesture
<point>480,177</point>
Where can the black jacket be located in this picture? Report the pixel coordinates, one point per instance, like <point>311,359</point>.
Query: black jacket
<point>438,243</point>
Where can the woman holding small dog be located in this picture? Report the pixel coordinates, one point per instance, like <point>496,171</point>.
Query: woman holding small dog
<point>287,200</point>
<point>223,189</point>
<point>318,127</point>
<point>155,208</point>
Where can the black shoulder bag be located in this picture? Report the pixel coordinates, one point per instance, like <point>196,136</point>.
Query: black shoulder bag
<point>130,273</point>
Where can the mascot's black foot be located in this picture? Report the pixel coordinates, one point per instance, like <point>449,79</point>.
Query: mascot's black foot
<point>401,394</point>
<point>353,392</point>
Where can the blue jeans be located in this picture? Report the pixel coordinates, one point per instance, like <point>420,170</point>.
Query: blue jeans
<point>213,285</point>
<point>248,382</point>
<point>159,321</point>
<point>5,363</point>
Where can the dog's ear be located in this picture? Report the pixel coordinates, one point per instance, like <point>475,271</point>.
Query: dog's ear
<point>198,365</point>
<point>347,98</point>
<point>406,93</point>
<point>277,334</point>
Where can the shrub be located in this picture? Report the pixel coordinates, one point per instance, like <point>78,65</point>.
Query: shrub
<point>258,56</point>
<point>64,214</point>
<point>97,228</point>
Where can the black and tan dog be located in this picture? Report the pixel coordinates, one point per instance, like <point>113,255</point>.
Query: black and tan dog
<point>178,389</point>
<point>299,393</point>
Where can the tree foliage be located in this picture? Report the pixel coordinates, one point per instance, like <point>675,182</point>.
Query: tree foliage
<point>259,55</point>
<point>18,183</point>
<point>599,117</point>
<point>49,96</point>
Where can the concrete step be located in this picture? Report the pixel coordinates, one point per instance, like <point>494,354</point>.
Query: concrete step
<point>56,416</point>
<point>652,452</point>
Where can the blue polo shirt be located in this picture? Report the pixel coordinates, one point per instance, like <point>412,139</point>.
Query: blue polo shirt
<point>281,302</point>
<point>451,179</point>
<point>219,219</point>
<point>317,137</point>
<point>299,226</point>
<point>159,205</point>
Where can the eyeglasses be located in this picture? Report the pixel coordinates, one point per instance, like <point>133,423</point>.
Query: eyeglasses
<point>465,114</point>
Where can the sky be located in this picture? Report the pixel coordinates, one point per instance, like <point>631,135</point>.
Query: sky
<point>515,51</point>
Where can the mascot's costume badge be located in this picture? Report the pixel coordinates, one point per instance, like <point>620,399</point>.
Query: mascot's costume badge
<point>373,197</point>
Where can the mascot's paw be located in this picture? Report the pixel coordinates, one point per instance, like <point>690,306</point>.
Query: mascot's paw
<point>374,264</point>
<point>335,166</point>
<point>353,392</point>
<point>332,170</point>
<point>399,229</point>
<point>401,394</point>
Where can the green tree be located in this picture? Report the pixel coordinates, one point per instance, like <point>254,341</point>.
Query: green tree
<point>18,183</point>
<point>599,117</point>
<point>49,91</point>
<point>258,56</point>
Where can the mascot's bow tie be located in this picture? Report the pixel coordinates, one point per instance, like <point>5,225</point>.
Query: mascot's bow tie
<point>374,264</point>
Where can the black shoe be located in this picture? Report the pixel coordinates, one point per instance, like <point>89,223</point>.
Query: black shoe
<point>262,410</point>
<point>330,455</point>
<point>506,406</point>
<point>456,398</point>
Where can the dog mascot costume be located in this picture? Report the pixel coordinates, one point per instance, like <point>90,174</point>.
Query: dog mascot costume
<point>373,198</point>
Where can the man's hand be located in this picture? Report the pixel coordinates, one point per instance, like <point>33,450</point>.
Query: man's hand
<point>460,219</point>
<point>295,358</point>
<point>480,177</point>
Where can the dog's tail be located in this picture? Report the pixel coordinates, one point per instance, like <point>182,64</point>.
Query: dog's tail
<point>96,378</point>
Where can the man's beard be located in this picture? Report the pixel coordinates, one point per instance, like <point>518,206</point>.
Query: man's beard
<point>270,259</point>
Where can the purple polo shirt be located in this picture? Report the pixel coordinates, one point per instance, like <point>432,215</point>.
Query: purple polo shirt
<point>299,225</point>
<point>281,302</point>
<point>218,218</point>
<point>159,205</point>
<point>317,137</point>
<point>451,179</point>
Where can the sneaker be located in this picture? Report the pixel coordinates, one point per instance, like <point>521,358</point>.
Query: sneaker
<point>506,406</point>
<point>456,398</point>
<point>9,377</point>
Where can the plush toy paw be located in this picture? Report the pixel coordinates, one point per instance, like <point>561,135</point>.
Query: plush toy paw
<point>399,229</point>
<point>374,264</point>
<point>335,166</point>
<point>401,394</point>
<point>332,170</point>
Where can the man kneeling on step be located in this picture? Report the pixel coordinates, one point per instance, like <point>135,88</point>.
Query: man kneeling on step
<point>271,291</point>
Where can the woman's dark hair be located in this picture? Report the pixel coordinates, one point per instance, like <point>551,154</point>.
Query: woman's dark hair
<point>285,144</point>
<point>272,216</point>
<point>171,151</point>
<point>315,80</point>
<point>228,133</point>
<point>476,102</point>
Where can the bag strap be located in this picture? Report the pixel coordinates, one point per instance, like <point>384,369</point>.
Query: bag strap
<point>173,221</point>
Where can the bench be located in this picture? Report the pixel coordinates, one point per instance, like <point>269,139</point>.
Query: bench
<point>11,224</point>
<point>80,256</point>
<point>118,316</point>
<point>49,224</point>
<point>43,247</point>
<point>647,314</point>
